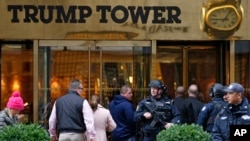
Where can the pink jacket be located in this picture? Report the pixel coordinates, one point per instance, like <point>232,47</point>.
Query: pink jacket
<point>103,123</point>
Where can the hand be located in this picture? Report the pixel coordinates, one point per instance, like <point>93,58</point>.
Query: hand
<point>168,125</point>
<point>214,19</point>
<point>54,138</point>
<point>147,115</point>
<point>227,15</point>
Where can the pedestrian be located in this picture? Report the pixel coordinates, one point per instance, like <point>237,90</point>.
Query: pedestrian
<point>210,110</point>
<point>72,116</point>
<point>237,112</point>
<point>122,111</point>
<point>179,99</point>
<point>103,120</point>
<point>8,116</point>
<point>192,106</point>
<point>157,112</point>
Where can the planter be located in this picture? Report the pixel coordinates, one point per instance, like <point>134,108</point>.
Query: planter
<point>184,132</point>
<point>24,132</point>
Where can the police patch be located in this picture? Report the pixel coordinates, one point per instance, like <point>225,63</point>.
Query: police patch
<point>223,118</point>
<point>245,117</point>
<point>204,108</point>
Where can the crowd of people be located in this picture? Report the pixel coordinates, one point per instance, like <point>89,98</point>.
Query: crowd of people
<point>74,118</point>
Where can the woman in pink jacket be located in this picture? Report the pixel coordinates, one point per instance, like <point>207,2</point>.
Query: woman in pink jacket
<point>103,120</point>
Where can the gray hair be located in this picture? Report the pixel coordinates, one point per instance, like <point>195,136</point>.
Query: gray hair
<point>74,84</point>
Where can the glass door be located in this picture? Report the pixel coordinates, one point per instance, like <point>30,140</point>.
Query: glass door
<point>102,66</point>
<point>124,62</point>
<point>180,65</point>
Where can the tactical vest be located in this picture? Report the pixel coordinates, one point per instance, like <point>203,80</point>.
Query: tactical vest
<point>160,107</point>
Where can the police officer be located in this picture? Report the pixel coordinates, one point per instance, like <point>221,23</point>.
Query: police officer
<point>156,112</point>
<point>210,110</point>
<point>236,112</point>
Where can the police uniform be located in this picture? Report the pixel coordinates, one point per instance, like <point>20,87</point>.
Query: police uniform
<point>209,112</point>
<point>230,115</point>
<point>151,127</point>
<point>237,112</point>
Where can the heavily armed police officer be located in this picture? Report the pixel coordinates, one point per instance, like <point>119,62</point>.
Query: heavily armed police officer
<point>210,110</point>
<point>156,112</point>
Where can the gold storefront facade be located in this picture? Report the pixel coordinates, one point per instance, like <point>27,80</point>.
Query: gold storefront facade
<point>39,59</point>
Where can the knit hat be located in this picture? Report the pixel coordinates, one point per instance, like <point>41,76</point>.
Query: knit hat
<point>15,101</point>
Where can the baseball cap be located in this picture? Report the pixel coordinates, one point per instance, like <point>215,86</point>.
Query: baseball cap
<point>234,87</point>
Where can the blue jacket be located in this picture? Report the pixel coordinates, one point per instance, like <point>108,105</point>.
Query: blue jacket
<point>230,115</point>
<point>122,112</point>
<point>209,112</point>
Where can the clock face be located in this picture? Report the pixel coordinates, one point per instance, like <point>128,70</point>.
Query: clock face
<point>223,18</point>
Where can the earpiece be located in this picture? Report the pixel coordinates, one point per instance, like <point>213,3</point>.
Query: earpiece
<point>212,91</point>
<point>164,88</point>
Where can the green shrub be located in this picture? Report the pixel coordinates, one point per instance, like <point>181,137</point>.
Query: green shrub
<point>183,132</point>
<point>24,132</point>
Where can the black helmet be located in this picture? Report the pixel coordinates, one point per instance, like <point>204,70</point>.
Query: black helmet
<point>216,89</point>
<point>158,84</point>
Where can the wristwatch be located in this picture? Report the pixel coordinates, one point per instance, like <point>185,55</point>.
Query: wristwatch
<point>221,18</point>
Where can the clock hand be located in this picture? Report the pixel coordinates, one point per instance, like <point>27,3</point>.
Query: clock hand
<point>226,18</point>
<point>217,19</point>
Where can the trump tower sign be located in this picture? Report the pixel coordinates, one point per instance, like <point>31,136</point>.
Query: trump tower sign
<point>106,19</point>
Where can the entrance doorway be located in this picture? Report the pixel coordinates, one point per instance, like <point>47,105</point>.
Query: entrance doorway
<point>47,65</point>
<point>102,66</point>
<point>186,63</point>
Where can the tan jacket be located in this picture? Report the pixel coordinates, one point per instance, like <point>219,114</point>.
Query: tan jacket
<point>103,122</point>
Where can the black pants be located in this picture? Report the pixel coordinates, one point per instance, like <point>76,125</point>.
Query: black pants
<point>149,137</point>
<point>129,139</point>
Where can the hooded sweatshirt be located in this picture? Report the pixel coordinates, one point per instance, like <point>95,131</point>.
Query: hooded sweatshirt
<point>122,112</point>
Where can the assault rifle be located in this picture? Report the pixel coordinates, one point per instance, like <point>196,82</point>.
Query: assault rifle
<point>157,116</point>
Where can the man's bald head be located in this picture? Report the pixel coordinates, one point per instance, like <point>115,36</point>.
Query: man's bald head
<point>180,91</point>
<point>193,90</point>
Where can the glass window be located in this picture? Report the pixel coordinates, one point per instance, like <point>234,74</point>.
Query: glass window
<point>17,75</point>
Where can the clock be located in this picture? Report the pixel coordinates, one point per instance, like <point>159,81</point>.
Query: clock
<point>221,19</point>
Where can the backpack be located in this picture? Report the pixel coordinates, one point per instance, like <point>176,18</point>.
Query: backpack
<point>217,106</point>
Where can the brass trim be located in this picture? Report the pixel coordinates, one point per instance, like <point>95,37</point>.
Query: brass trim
<point>35,82</point>
<point>202,18</point>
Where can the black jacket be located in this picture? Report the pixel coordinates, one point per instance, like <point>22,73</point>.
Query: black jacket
<point>178,102</point>
<point>69,113</point>
<point>191,109</point>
